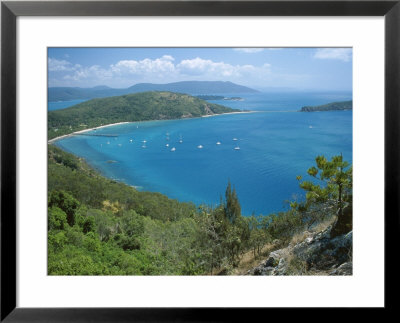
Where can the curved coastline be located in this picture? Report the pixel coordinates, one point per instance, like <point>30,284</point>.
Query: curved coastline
<point>85,130</point>
<point>50,141</point>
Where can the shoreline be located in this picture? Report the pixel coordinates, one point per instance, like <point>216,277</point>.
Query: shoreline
<point>124,122</point>
<point>221,114</point>
<point>85,130</point>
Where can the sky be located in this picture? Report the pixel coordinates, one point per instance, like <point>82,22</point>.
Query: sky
<point>326,69</point>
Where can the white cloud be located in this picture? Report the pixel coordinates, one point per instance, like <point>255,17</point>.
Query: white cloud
<point>249,50</point>
<point>92,72</point>
<point>56,65</point>
<point>217,70</point>
<point>147,65</point>
<point>199,66</point>
<point>343,54</point>
<point>163,69</point>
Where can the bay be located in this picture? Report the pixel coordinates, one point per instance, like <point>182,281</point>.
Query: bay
<point>277,143</point>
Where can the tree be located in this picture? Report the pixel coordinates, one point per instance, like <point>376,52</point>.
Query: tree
<point>237,232</point>
<point>232,205</point>
<point>57,219</point>
<point>336,191</point>
<point>65,202</point>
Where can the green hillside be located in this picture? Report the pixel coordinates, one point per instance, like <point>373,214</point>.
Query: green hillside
<point>344,105</point>
<point>97,226</point>
<point>132,107</point>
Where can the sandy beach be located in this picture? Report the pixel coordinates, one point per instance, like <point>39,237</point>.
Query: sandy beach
<point>119,123</point>
<point>85,130</point>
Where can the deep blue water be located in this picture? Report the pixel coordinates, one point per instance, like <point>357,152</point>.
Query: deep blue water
<point>62,104</point>
<point>276,145</point>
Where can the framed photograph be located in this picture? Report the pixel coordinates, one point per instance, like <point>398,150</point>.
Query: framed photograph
<point>176,155</point>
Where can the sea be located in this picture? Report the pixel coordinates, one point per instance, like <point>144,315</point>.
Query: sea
<point>58,105</point>
<point>260,152</point>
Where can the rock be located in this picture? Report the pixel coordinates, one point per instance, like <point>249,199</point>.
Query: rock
<point>282,267</point>
<point>270,262</point>
<point>269,271</point>
<point>318,251</point>
<point>261,270</point>
<point>344,222</point>
<point>345,269</point>
<point>309,240</point>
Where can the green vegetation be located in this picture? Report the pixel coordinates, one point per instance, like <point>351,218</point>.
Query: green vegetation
<point>132,107</point>
<point>345,105</point>
<point>97,226</point>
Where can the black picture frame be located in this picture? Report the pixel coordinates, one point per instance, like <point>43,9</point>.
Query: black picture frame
<point>10,10</point>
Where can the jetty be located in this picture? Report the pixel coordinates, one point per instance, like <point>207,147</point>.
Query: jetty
<point>94,134</point>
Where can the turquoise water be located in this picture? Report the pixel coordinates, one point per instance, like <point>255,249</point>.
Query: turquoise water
<point>276,145</point>
<point>51,106</point>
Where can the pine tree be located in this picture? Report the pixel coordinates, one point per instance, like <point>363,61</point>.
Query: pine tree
<point>232,205</point>
<point>336,190</point>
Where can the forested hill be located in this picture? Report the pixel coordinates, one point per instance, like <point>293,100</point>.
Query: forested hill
<point>189,87</point>
<point>128,108</point>
<point>97,226</point>
<point>344,105</point>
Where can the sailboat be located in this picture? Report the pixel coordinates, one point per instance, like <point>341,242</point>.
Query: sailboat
<point>173,149</point>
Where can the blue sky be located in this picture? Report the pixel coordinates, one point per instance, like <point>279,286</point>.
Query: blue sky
<point>260,68</point>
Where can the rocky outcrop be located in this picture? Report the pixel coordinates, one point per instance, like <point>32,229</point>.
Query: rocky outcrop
<point>318,253</point>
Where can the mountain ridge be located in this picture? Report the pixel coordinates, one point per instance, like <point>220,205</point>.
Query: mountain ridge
<point>186,87</point>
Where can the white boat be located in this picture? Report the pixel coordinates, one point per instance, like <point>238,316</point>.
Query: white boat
<point>180,139</point>
<point>173,149</point>
<point>167,145</point>
<point>144,141</point>
<point>218,143</point>
<point>144,146</point>
<point>234,139</point>
<point>199,146</point>
<point>310,127</point>
<point>131,140</point>
<point>237,148</point>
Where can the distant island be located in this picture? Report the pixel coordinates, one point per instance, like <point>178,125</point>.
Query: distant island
<point>344,105</point>
<point>129,108</point>
<point>219,97</point>
<point>188,87</point>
